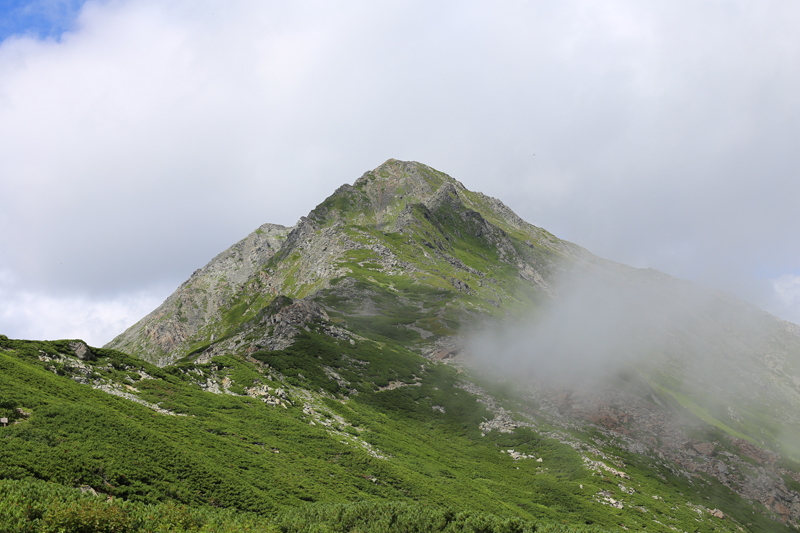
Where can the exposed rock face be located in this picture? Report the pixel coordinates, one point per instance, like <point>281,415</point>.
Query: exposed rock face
<point>199,301</point>
<point>82,351</point>
<point>284,325</point>
<point>277,326</point>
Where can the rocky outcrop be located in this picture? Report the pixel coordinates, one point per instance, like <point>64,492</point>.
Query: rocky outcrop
<point>82,351</point>
<point>286,323</point>
<point>199,302</point>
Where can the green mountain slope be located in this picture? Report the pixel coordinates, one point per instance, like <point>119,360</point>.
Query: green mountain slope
<point>416,440</point>
<point>413,341</point>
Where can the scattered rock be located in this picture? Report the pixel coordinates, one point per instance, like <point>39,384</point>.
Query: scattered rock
<point>82,351</point>
<point>87,488</point>
<point>705,448</point>
<point>515,455</point>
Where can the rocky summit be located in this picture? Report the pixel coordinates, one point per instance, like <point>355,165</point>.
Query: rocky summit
<point>403,222</point>
<point>412,341</point>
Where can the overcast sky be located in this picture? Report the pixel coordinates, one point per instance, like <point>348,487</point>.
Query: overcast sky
<point>139,138</point>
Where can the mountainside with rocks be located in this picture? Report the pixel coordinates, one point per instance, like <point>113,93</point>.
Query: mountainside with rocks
<point>410,339</point>
<point>199,301</point>
<point>402,220</point>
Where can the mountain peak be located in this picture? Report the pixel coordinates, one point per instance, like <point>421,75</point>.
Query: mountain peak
<point>380,195</point>
<point>411,177</point>
<point>404,219</point>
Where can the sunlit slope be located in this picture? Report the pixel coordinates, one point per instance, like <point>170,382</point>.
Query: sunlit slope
<point>240,451</point>
<point>280,436</point>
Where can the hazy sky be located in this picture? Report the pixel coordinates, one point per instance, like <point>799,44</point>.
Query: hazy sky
<point>140,138</point>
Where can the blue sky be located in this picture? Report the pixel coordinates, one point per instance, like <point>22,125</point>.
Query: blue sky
<point>159,133</point>
<point>44,19</point>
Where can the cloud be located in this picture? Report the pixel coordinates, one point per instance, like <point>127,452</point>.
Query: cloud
<point>44,316</point>
<point>601,322</point>
<point>152,135</point>
<point>593,330</point>
<point>787,297</point>
<point>610,323</point>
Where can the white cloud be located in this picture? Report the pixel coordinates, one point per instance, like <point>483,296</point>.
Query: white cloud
<point>156,134</point>
<point>787,291</point>
<point>38,316</point>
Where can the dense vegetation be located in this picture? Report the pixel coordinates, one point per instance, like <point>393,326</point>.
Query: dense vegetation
<point>236,462</point>
<point>35,506</point>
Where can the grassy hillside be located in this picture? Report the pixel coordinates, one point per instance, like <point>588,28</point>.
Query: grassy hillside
<point>418,441</point>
